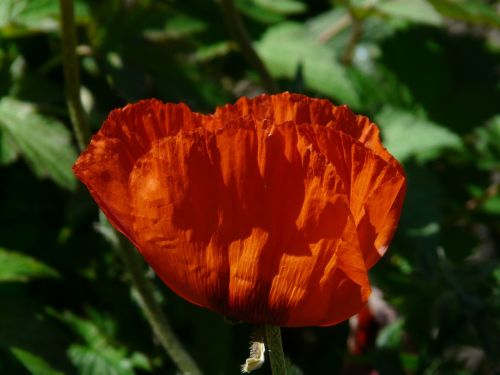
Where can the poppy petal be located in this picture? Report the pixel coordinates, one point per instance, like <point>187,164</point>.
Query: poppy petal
<point>374,188</point>
<point>301,109</point>
<point>125,136</point>
<point>270,211</point>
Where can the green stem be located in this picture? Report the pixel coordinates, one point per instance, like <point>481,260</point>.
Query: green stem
<point>356,34</point>
<point>275,348</point>
<point>152,310</point>
<point>133,263</point>
<point>240,35</point>
<point>72,74</point>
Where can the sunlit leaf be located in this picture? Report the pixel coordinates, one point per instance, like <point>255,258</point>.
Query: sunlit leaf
<point>20,17</point>
<point>44,142</point>
<point>15,266</point>
<point>284,7</point>
<point>407,135</point>
<point>412,10</point>
<point>33,363</point>
<point>286,47</point>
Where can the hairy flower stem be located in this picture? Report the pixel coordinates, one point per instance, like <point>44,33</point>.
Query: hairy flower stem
<point>133,263</point>
<point>275,348</point>
<point>240,35</point>
<point>72,74</point>
<point>152,309</point>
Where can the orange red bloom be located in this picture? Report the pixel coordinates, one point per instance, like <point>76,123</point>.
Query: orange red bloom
<point>271,210</point>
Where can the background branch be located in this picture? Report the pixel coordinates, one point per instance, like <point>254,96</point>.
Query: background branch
<point>237,29</point>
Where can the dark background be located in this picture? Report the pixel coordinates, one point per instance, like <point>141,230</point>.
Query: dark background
<point>427,71</point>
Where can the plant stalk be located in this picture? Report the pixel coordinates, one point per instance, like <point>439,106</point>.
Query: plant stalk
<point>275,348</point>
<point>72,74</point>
<point>354,38</point>
<point>240,35</point>
<point>133,263</point>
<point>152,310</point>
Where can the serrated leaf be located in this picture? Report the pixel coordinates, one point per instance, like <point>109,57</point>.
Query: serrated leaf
<point>91,361</point>
<point>407,135</point>
<point>284,7</point>
<point>44,142</point>
<point>33,363</point>
<point>412,10</point>
<point>98,353</point>
<point>286,47</point>
<point>16,266</point>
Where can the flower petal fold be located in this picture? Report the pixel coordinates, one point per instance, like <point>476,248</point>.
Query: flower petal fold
<point>270,211</point>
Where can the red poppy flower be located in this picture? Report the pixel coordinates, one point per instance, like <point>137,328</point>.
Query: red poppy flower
<point>269,211</point>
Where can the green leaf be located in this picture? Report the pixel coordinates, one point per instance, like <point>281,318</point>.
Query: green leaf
<point>410,362</point>
<point>213,51</point>
<point>487,144</point>
<point>44,142</point>
<point>33,363</point>
<point>288,46</point>
<point>293,369</point>
<point>254,11</point>
<point>99,353</point>
<point>16,266</point>
<point>471,11</point>
<point>488,200</point>
<point>285,7</point>
<point>412,10</point>
<point>91,360</point>
<point>20,17</point>
<point>492,205</point>
<point>8,149</point>
<point>177,27</point>
<point>407,135</point>
<point>391,335</point>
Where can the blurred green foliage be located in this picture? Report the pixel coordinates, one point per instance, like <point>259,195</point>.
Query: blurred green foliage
<point>426,70</point>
